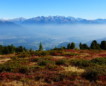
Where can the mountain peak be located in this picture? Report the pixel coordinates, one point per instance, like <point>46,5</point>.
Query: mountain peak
<point>55,20</point>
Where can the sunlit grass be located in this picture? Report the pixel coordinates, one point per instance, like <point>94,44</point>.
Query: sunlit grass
<point>73,69</point>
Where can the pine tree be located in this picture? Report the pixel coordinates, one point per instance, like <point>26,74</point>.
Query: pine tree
<point>68,46</point>
<point>1,48</point>
<point>95,45</point>
<point>72,46</point>
<point>20,49</point>
<point>5,50</point>
<point>83,46</point>
<point>103,45</point>
<point>80,46</point>
<point>40,47</point>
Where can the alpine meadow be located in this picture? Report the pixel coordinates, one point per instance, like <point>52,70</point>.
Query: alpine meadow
<point>52,43</point>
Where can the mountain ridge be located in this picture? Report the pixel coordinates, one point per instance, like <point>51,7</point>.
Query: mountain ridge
<point>55,20</point>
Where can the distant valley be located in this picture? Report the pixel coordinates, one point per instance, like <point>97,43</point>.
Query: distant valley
<point>51,31</point>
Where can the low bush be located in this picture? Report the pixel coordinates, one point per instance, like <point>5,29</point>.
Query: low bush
<point>70,54</point>
<point>80,63</point>
<point>62,62</point>
<point>41,53</point>
<point>11,76</point>
<point>24,54</point>
<point>34,59</point>
<point>56,52</point>
<point>92,73</point>
<point>99,61</point>
<point>45,62</point>
<point>13,65</point>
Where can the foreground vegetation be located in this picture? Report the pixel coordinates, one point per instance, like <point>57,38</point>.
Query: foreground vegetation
<point>56,67</point>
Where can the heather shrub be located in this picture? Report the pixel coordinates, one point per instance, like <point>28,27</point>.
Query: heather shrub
<point>99,61</point>
<point>47,62</point>
<point>41,53</point>
<point>67,75</point>
<point>56,52</point>
<point>91,75</point>
<point>24,69</point>
<point>9,67</point>
<point>93,72</point>
<point>13,65</point>
<point>34,59</point>
<point>63,83</point>
<point>24,54</point>
<point>70,54</point>
<point>62,62</point>
<point>80,63</point>
<point>11,76</point>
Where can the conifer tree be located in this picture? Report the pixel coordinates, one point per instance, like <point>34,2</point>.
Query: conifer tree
<point>95,45</point>
<point>72,46</point>
<point>83,46</point>
<point>103,45</point>
<point>68,46</point>
<point>40,47</point>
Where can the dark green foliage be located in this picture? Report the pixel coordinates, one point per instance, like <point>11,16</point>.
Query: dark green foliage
<point>68,46</point>
<point>24,69</point>
<point>83,46</point>
<point>99,61</point>
<point>44,61</point>
<point>97,69</point>
<point>80,63</point>
<point>21,49</point>
<point>11,49</point>
<point>9,67</point>
<point>91,75</point>
<point>71,46</point>
<point>1,48</point>
<point>14,65</point>
<point>56,51</point>
<point>24,54</point>
<point>95,45</point>
<point>86,63</point>
<point>61,48</point>
<point>7,49</point>
<point>103,45</point>
<point>62,62</point>
<point>40,47</point>
<point>93,72</point>
<point>41,53</point>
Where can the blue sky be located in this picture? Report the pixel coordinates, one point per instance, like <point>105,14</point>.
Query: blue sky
<point>89,9</point>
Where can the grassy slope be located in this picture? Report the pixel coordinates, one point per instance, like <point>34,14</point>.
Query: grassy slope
<point>59,63</point>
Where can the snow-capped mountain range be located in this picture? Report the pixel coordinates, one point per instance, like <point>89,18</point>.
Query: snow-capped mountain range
<point>53,20</point>
<point>57,30</point>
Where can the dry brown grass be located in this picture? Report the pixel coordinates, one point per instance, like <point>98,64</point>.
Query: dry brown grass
<point>73,69</point>
<point>21,83</point>
<point>58,57</point>
<point>3,60</point>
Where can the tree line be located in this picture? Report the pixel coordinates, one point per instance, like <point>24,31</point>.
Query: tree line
<point>12,49</point>
<point>94,45</point>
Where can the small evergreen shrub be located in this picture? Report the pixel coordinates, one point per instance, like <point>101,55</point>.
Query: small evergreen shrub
<point>99,61</point>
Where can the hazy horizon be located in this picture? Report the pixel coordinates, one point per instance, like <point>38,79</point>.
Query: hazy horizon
<point>15,32</point>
